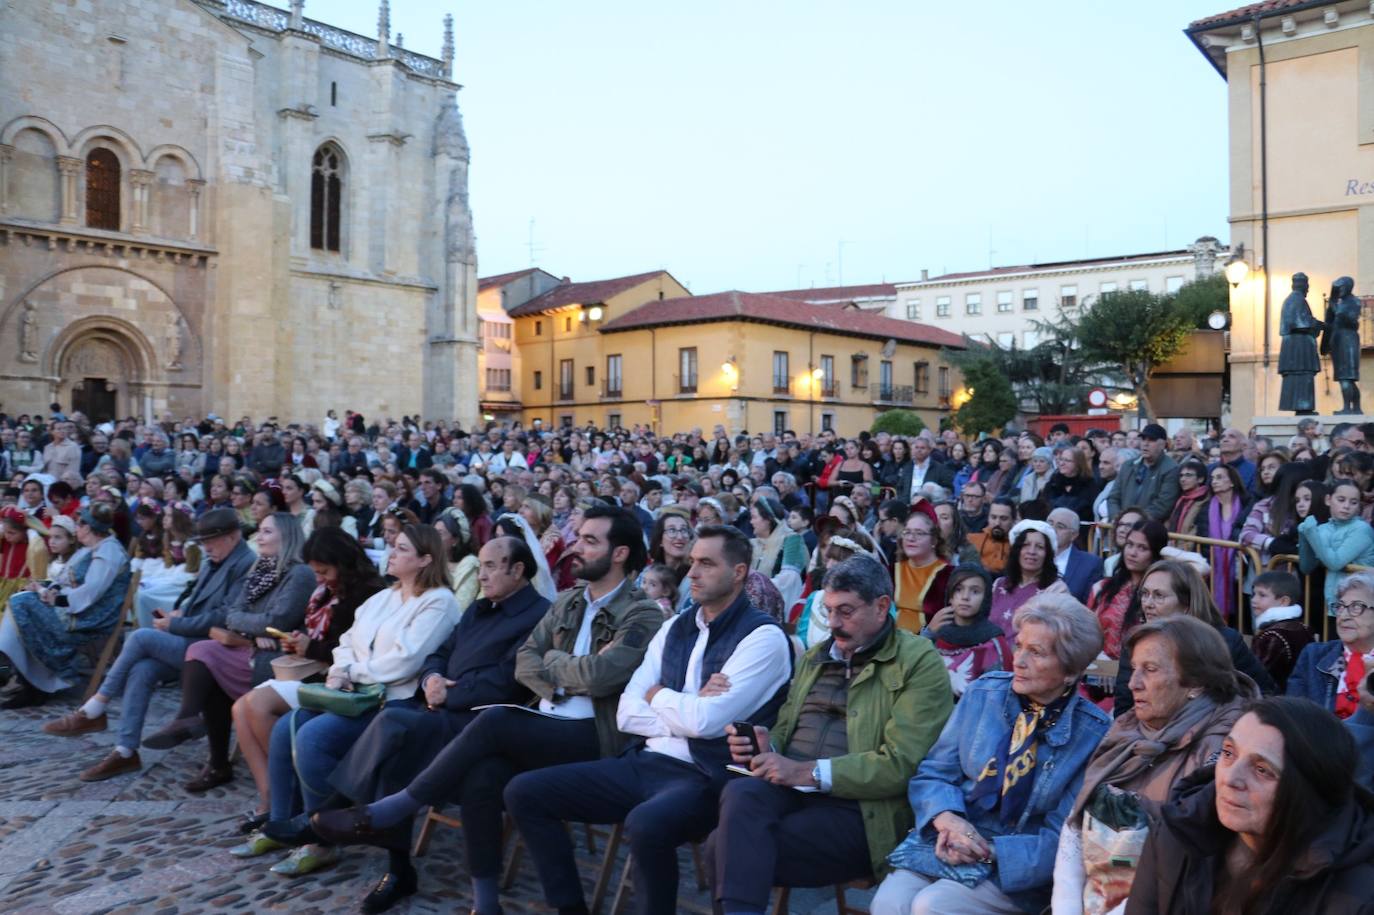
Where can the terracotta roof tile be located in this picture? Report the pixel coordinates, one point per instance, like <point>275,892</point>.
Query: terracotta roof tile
<point>1250,11</point>
<point>770,308</point>
<point>839,293</point>
<point>582,293</point>
<point>500,279</point>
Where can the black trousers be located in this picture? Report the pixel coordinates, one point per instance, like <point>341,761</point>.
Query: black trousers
<point>771,836</point>
<point>475,767</point>
<point>662,801</point>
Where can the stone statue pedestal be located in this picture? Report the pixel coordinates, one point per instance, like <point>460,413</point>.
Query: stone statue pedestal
<point>1282,428</point>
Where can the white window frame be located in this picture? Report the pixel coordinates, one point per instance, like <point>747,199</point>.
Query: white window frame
<point>1005,301</point>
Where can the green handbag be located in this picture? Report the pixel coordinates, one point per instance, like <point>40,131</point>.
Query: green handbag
<point>347,702</point>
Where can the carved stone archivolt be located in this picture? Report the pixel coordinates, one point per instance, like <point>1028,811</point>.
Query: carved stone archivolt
<point>94,358</point>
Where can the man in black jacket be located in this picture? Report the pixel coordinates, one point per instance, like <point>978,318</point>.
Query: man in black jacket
<point>920,470</point>
<point>475,666</point>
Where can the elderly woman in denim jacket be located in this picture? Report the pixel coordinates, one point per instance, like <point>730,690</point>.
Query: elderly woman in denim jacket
<point>992,794</point>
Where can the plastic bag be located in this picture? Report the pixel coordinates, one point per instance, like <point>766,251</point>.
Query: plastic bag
<point>1114,832</point>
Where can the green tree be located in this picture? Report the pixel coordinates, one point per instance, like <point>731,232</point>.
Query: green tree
<point>898,422</point>
<point>992,402</point>
<point>1135,332</point>
<point>1052,377</point>
<point>1197,300</point>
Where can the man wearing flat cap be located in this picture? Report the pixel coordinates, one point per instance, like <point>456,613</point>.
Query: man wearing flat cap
<point>150,656</point>
<point>1150,481</point>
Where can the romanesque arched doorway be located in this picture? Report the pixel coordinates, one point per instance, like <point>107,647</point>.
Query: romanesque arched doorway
<point>96,377</point>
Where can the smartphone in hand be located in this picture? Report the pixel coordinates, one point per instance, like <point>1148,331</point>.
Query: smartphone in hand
<point>746,730</point>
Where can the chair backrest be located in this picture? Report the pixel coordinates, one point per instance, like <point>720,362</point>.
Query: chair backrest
<point>130,594</point>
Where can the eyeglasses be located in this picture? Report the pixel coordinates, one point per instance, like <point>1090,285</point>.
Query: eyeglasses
<point>677,533</point>
<point>1352,609</point>
<point>917,535</point>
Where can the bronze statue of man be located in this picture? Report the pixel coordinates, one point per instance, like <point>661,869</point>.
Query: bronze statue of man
<point>1298,360</point>
<point>1341,340</point>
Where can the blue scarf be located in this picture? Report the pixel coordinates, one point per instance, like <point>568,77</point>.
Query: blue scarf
<point>1007,779</point>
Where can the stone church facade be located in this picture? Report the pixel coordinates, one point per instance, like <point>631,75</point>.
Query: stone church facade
<point>221,206</point>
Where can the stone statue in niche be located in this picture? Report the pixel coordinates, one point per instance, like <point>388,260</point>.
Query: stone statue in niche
<point>335,295</point>
<point>1298,359</point>
<point>174,342</point>
<point>28,334</point>
<point>1341,340</point>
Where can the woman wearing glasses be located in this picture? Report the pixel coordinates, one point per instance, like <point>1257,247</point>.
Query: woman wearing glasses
<point>1329,673</point>
<point>923,570</point>
<point>670,544</point>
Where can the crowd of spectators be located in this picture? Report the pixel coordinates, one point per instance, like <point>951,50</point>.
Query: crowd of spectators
<point>990,676</point>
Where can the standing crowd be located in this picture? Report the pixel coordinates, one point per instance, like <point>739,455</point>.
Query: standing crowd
<point>1122,672</point>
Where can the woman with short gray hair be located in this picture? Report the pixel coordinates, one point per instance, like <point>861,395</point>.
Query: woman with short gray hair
<point>1330,673</point>
<point>992,794</point>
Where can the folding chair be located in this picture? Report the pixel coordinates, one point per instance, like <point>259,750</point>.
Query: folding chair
<point>126,615</point>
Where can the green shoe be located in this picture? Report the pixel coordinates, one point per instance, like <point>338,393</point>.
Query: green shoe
<point>257,844</point>
<point>306,860</point>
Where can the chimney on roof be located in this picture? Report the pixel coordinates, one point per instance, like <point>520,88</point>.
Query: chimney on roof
<point>925,275</point>
<point>566,279</point>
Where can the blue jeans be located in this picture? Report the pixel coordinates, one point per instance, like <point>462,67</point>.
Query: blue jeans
<point>322,739</point>
<point>148,657</point>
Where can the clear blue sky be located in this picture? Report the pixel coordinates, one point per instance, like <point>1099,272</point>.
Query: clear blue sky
<point>738,143</point>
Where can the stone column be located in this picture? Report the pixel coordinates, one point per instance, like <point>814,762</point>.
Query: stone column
<point>194,186</point>
<point>6,157</point>
<point>140,182</point>
<point>70,169</point>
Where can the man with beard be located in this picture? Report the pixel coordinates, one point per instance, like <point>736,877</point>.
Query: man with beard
<point>994,543</point>
<point>725,662</point>
<point>973,509</point>
<point>577,661</point>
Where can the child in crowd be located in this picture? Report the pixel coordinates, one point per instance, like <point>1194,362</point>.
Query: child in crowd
<point>660,584</point>
<point>969,643</point>
<point>1280,633</point>
<point>799,520</point>
<point>1347,539</point>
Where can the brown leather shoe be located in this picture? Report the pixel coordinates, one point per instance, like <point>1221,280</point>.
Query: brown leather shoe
<point>112,765</point>
<point>76,723</point>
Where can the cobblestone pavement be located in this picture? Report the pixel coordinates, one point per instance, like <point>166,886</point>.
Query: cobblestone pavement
<point>141,844</point>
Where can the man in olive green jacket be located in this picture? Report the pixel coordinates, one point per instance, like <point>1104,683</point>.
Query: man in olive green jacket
<point>828,803</point>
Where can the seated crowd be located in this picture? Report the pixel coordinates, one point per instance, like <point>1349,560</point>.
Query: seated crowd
<point>1015,675</point>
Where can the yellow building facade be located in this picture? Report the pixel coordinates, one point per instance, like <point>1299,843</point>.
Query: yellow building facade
<point>744,361</point>
<point>1300,79</point>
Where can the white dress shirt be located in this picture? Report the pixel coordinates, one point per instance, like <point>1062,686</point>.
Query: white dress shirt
<point>760,665</point>
<point>918,479</point>
<point>1061,560</point>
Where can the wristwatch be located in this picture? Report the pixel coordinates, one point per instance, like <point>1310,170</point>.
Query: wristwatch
<point>816,774</point>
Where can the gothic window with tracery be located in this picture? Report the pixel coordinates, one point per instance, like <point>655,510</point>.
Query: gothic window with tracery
<point>102,189</point>
<point>326,198</point>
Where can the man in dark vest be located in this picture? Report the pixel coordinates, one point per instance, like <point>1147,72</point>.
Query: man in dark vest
<point>576,661</point>
<point>475,666</point>
<point>865,707</point>
<point>725,662</point>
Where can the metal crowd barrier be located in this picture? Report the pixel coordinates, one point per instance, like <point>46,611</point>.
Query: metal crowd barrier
<point>1289,563</point>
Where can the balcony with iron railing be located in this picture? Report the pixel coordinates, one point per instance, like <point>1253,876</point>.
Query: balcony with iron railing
<point>782,385</point>
<point>612,389</point>
<point>685,385</point>
<point>901,395</point>
<point>830,388</point>
<point>565,392</point>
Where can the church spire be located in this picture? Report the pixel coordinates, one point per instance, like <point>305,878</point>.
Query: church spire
<point>384,29</point>
<point>448,45</point>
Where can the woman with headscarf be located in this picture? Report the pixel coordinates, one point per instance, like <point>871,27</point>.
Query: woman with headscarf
<point>45,626</point>
<point>779,552</point>
<point>516,526</point>
<point>1033,481</point>
<point>23,557</point>
<point>453,529</point>
<point>969,643</point>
